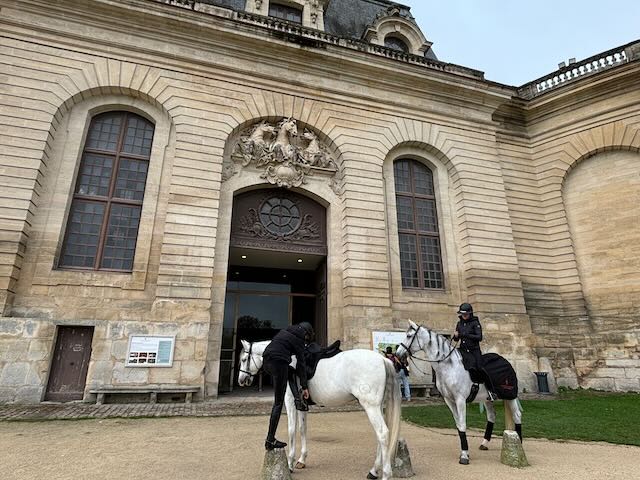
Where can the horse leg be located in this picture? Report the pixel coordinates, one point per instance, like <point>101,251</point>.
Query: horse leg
<point>292,415</point>
<point>374,412</point>
<point>373,473</point>
<point>302,419</point>
<point>460,417</point>
<point>491,420</point>
<point>516,414</point>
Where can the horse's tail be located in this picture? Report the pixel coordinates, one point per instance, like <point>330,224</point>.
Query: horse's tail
<point>392,408</point>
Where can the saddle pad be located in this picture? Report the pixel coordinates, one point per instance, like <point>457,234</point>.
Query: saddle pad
<point>502,375</point>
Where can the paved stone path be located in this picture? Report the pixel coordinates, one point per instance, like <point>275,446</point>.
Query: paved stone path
<point>239,406</point>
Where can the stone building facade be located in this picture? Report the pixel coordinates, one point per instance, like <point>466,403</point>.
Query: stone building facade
<point>532,194</point>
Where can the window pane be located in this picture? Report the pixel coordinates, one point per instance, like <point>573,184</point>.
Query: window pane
<point>431,262</point>
<point>138,137</point>
<point>83,234</point>
<point>95,175</point>
<point>402,176</point>
<point>408,260</point>
<point>285,12</point>
<point>122,232</point>
<point>422,179</point>
<point>104,132</point>
<point>132,176</point>
<point>404,206</point>
<point>396,44</point>
<point>426,216</point>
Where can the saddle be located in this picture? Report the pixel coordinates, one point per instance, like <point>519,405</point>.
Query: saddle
<point>498,376</point>
<point>314,353</point>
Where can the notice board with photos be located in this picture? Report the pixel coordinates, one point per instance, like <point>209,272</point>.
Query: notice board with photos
<point>150,351</point>
<point>382,340</point>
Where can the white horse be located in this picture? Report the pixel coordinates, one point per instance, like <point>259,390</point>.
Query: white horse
<point>454,383</point>
<point>362,375</point>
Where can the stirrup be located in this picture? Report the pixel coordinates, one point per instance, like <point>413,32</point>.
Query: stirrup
<point>491,396</point>
<point>301,406</point>
<point>273,444</point>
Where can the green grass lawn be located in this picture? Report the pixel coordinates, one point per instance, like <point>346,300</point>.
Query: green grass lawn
<point>571,415</point>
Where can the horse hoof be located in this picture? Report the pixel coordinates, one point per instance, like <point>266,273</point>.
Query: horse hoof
<point>371,476</point>
<point>300,465</point>
<point>483,447</point>
<point>464,461</point>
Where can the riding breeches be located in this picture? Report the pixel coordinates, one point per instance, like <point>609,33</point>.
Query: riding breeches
<point>279,371</point>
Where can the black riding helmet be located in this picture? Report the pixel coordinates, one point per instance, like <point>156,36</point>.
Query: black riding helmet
<point>309,334</point>
<point>465,308</point>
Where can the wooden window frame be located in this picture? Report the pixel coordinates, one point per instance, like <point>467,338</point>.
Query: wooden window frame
<point>415,233</point>
<point>109,200</point>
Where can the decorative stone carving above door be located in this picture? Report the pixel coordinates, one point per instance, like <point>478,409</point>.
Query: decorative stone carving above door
<point>285,156</point>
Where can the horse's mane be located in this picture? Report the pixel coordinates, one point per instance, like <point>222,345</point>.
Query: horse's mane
<point>441,340</point>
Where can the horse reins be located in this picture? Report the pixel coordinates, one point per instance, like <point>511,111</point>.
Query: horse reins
<point>411,356</point>
<point>254,362</point>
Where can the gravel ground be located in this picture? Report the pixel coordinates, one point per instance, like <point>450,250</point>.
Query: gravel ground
<point>341,446</point>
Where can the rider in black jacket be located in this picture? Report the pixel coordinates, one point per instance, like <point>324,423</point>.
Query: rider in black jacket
<point>277,356</point>
<point>469,332</point>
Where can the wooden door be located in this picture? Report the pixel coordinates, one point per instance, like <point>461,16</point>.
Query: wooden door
<point>70,363</point>
<point>321,304</point>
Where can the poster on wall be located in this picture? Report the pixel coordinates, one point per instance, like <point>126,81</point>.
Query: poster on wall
<point>150,351</point>
<point>382,340</point>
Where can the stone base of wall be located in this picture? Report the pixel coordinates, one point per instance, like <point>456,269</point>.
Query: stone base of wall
<point>26,346</point>
<point>601,361</point>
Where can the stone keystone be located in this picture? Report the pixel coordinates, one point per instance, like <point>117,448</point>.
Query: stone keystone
<point>402,464</point>
<point>275,465</point>
<point>512,451</point>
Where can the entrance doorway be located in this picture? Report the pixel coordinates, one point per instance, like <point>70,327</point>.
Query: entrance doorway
<point>277,273</point>
<point>70,363</point>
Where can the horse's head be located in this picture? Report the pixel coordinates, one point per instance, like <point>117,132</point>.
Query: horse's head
<point>250,364</point>
<point>309,135</point>
<point>417,338</point>
<point>290,126</point>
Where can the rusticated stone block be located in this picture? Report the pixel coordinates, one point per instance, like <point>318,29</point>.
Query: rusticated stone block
<point>275,466</point>
<point>512,451</point>
<point>402,467</point>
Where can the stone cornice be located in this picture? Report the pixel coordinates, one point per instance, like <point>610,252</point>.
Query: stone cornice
<point>190,32</point>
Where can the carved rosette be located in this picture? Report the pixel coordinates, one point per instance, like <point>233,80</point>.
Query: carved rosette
<point>285,157</point>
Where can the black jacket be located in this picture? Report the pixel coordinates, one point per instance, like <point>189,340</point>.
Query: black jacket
<point>286,343</point>
<point>469,333</point>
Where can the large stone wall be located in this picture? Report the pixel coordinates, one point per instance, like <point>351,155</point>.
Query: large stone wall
<point>507,245</point>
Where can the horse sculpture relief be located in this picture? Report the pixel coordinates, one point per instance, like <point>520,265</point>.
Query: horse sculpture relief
<point>286,157</point>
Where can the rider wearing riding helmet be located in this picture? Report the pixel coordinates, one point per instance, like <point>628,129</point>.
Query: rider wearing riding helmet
<point>277,356</point>
<point>469,332</point>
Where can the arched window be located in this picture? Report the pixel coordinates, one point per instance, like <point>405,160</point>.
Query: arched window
<point>285,12</point>
<point>420,256</point>
<point>396,43</point>
<point>103,222</point>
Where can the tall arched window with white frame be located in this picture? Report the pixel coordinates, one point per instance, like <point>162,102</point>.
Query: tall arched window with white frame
<point>418,232</point>
<point>102,228</point>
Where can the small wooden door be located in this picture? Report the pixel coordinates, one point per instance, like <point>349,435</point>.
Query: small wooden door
<point>70,363</point>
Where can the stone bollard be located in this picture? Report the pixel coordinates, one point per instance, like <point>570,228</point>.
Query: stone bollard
<point>402,464</point>
<point>512,451</point>
<point>275,465</point>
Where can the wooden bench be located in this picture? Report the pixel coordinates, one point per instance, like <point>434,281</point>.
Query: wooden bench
<point>153,392</point>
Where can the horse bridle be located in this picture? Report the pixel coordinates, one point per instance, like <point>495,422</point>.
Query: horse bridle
<point>251,375</point>
<point>410,354</point>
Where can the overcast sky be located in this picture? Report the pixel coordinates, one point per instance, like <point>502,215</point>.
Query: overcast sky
<point>515,41</point>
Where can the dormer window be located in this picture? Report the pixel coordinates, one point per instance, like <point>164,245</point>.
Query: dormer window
<point>285,12</point>
<point>396,43</point>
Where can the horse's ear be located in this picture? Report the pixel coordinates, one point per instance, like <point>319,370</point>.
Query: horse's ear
<point>413,325</point>
<point>246,345</point>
